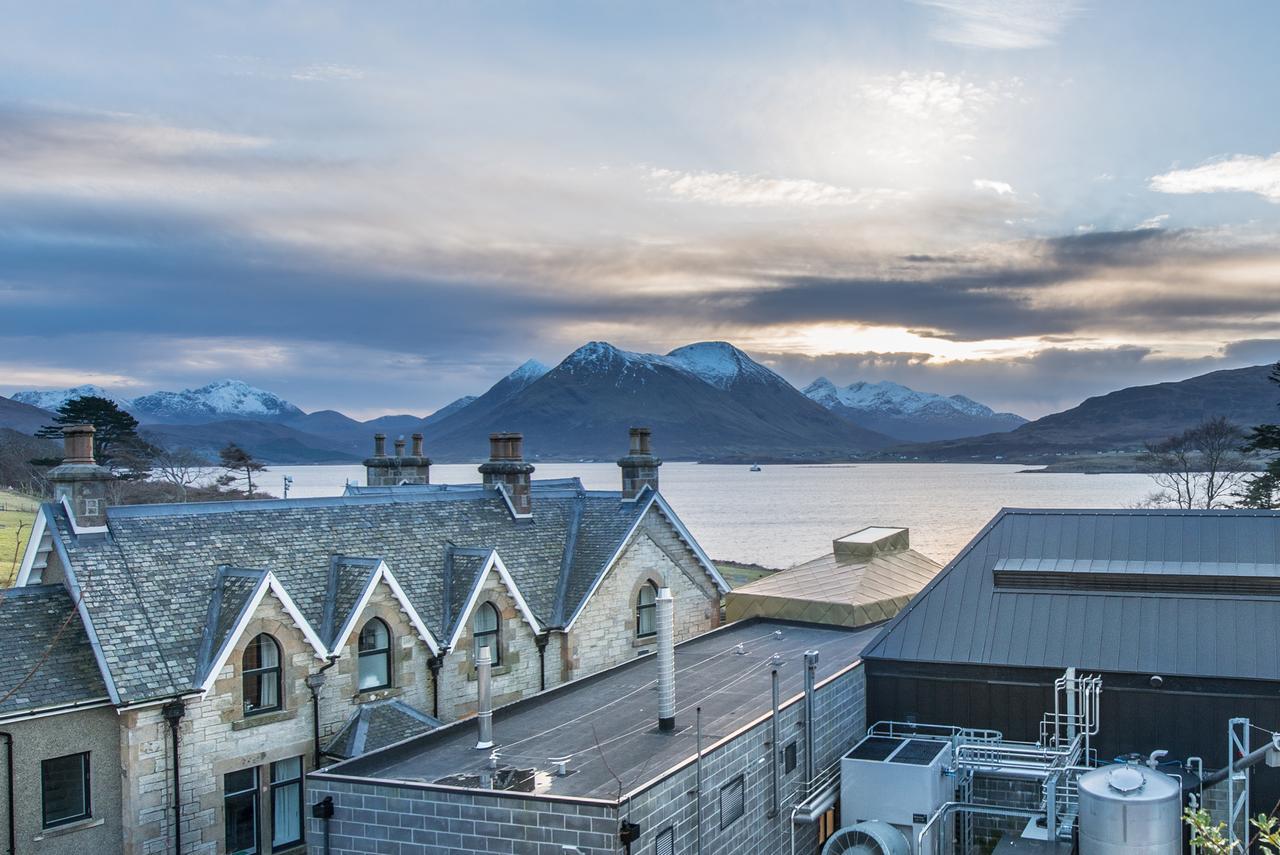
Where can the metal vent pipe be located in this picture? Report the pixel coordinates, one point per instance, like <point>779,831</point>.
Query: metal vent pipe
<point>810,688</point>
<point>484,706</point>
<point>664,614</point>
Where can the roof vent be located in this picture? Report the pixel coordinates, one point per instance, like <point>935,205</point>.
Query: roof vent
<point>872,541</point>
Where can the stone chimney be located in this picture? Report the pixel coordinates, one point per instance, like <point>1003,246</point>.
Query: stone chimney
<point>384,471</point>
<point>639,467</point>
<point>506,466</point>
<point>80,479</point>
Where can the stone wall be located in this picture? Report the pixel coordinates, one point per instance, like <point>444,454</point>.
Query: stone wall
<point>604,634</point>
<point>95,731</point>
<point>516,675</point>
<point>371,818</point>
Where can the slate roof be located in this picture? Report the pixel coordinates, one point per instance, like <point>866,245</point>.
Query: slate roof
<point>378,724</point>
<point>149,582</point>
<point>29,618</point>
<point>1194,610</point>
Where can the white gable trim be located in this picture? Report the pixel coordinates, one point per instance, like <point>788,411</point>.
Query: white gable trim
<point>494,563</point>
<point>269,583</point>
<point>613,559</point>
<point>506,497</point>
<point>33,549</point>
<point>81,529</point>
<point>703,558</point>
<point>383,573</point>
<point>654,499</point>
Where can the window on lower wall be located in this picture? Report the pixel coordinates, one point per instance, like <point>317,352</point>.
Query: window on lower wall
<point>665,842</point>
<point>789,759</point>
<point>240,811</point>
<point>732,801</point>
<point>286,803</point>
<point>64,789</point>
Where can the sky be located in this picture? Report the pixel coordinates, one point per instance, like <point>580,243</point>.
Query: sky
<point>378,208</point>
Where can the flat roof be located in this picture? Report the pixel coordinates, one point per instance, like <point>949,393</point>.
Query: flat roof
<point>606,724</point>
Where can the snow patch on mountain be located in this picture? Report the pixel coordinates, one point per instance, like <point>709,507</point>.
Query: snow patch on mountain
<point>720,364</point>
<point>53,399</point>
<point>889,398</point>
<point>529,370</point>
<point>600,357</point>
<point>224,398</point>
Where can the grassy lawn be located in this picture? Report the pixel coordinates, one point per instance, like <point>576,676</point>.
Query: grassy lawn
<point>738,575</point>
<point>16,516</point>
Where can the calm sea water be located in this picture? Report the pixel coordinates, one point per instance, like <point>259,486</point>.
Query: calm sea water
<point>786,514</point>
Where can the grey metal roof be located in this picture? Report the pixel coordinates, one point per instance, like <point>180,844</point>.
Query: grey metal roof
<point>965,617</point>
<point>148,586</point>
<point>377,724</point>
<point>30,618</point>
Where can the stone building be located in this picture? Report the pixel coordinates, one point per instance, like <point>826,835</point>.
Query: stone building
<point>204,657</point>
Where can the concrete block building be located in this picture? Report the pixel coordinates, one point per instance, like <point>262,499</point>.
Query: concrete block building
<point>175,671</point>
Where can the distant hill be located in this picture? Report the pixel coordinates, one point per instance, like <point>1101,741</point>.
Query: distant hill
<point>707,401</point>
<point>23,418</point>
<point>1123,420</point>
<point>906,414</point>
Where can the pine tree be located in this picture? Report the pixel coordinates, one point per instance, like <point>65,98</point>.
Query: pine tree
<point>1263,490</point>
<point>239,464</point>
<point>116,441</point>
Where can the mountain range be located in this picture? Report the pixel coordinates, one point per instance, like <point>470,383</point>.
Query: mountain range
<point>707,401</point>
<point>906,414</point>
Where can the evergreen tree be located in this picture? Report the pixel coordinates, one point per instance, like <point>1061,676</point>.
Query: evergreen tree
<point>116,441</point>
<point>239,464</point>
<point>1263,490</point>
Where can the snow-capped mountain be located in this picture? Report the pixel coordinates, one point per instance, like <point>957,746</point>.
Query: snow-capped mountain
<point>706,401</point>
<point>52,400</point>
<point>529,370</point>
<point>722,365</point>
<point>907,414</point>
<point>224,399</point>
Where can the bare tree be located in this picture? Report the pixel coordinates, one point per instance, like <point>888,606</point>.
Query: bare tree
<point>180,467</point>
<point>1199,468</point>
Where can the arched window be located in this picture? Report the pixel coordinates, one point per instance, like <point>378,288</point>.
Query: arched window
<point>646,611</point>
<point>484,629</point>
<point>375,655</point>
<point>260,671</point>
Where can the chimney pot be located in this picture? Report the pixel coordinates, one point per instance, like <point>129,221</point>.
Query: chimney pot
<point>77,444</point>
<point>400,446</point>
<point>639,467</point>
<point>417,445</point>
<point>506,466</point>
<point>379,445</point>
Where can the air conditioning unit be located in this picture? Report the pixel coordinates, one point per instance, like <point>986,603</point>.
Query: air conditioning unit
<point>895,781</point>
<point>867,838</point>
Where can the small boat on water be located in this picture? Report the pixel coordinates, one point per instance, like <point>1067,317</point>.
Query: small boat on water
<point>755,467</point>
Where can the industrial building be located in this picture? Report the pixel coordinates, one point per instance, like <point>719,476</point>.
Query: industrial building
<point>600,766</point>
<point>1177,613</point>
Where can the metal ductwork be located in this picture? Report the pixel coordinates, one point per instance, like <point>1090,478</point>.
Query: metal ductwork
<point>664,613</point>
<point>484,706</point>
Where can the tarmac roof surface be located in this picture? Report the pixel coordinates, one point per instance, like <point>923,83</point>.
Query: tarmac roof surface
<point>607,724</point>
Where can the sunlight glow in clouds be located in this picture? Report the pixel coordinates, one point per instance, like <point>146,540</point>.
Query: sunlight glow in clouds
<point>734,189</point>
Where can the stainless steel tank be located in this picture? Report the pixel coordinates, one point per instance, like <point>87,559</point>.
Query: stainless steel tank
<point>1129,809</point>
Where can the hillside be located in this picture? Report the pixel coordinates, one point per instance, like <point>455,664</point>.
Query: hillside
<point>24,418</point>
<point>1123,420</point>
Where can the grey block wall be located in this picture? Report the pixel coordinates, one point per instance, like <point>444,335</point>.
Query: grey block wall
<point>401,820</point>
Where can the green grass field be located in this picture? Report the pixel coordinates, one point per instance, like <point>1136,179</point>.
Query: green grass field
<point>16,516</point>
<point>737,574</point>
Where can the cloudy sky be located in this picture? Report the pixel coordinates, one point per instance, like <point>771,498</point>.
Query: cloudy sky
<point>380,207</point>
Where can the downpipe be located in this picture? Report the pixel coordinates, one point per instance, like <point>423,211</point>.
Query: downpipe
<point>315,682</point>
<point>173,713</point>
<point>8,750</point>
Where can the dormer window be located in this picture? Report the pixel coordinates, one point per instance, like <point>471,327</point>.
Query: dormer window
<point>260,671</point>
<point>484,630</point>
<point>374,649</point>
<point>646,611</point>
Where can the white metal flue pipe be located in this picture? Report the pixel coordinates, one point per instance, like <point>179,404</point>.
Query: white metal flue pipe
<point>484,699</point>
<point>664,614</point>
